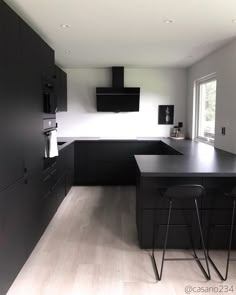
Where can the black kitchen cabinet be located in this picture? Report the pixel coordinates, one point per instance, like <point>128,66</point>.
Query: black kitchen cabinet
<point>65,164</point>
<point>20,214</point>
<point>25,61</point>
<point>12,240</point>
<point>57,181</point>
<point>104,163</point>
<point>217,211</point>
<point>47,80</point>
<point>11,108</point>
<point>111,162</point>
<point>33,202</point>
<point>82,169</point>
<point>47,59</point>
<point>149,201</point>
<point>178,231</point>
<point>61,89</point>
<point>32,99</point>
<point>70,166</point>
<point>49,202</point>
<point>52,200</point>
<point>59,191</point>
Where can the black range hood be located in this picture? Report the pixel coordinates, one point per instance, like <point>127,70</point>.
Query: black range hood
<point>117,98</point>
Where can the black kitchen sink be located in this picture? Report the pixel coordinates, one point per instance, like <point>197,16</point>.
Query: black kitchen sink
<point>61,142</point>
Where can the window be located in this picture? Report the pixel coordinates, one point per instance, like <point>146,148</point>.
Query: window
<point>205,109</point>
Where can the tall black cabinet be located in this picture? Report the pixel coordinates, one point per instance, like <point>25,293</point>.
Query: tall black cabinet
<point>31,98</point>
<point>25,60</point>
<point>11,108</point>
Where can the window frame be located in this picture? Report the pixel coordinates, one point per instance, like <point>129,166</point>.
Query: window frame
<point>206,79</point>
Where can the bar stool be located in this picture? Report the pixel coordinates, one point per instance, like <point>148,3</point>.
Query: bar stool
<point>224,277</point>
<point>176,194</point>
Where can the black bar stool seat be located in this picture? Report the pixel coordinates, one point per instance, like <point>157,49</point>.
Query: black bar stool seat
<point>175,194</point>
<point>224,277</point>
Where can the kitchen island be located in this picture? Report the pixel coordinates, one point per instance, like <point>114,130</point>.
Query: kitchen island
<point>195,163</point>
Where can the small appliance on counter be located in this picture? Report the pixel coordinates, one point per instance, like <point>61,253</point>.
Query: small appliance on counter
<point>176,131</point>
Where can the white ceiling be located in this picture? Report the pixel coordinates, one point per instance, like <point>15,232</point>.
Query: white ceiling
<point>130,32</point>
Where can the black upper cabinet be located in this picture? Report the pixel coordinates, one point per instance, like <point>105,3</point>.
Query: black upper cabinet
<point>61,89</point>
<point>47,74</point>
<point>11,109</point>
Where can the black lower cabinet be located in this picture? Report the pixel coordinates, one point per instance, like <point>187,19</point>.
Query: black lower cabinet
<point>33,208</point>
<point>12,229</point>
<point>111,162</point>
<point>183,228</point>
<point>58,179</point>
<point>26,208</point>
<point>69,157</point>
<point>217,230</point>
<point>215,213</point>
<point>52,200</point>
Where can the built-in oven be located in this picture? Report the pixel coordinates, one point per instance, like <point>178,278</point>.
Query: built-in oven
<point>49,125</point>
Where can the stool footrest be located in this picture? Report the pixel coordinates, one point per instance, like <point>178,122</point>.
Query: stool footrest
<point>183,259</point>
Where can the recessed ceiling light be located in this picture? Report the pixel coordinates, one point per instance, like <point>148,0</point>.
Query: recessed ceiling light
<point>65,26</point>
<point>168,21</point>
<point>234,21</point>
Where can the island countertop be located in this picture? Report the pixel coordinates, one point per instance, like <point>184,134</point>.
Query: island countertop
<point>196,159</point>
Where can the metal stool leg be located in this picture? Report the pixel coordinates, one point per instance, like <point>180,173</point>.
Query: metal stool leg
<point>166,238</point>
<point>230,241</point>
<point>159,276</point>
<point>207,274</point>
<point>153,247</point>
<point>229,249</point>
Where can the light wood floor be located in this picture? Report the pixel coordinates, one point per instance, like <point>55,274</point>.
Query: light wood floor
<point>91,247</point>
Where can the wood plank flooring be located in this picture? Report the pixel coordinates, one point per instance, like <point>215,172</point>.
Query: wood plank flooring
<point>91,247</point>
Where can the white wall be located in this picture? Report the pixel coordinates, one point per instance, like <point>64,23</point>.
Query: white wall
<point>223,63</point>
<point>158,86</point>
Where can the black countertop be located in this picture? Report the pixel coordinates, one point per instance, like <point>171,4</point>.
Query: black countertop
<point>197,159</point>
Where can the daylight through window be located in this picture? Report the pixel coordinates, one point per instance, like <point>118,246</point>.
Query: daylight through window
<point>206,107</point>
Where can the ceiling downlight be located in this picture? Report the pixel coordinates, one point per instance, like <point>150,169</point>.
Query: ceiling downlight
<point>168,21</point>
<point>65,26</point>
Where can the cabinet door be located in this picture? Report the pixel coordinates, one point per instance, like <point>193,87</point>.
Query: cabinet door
<point>51,202</point>
<point>70,171</point>
<point>33,202</point>
<point>59,191</point>
<point>82,169</point>
<point>61,89</point>
<point>179,233</point>
<point>32,70</point>
<point>11,111</point>
<point>63,104</point>
<point>12,247</point>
